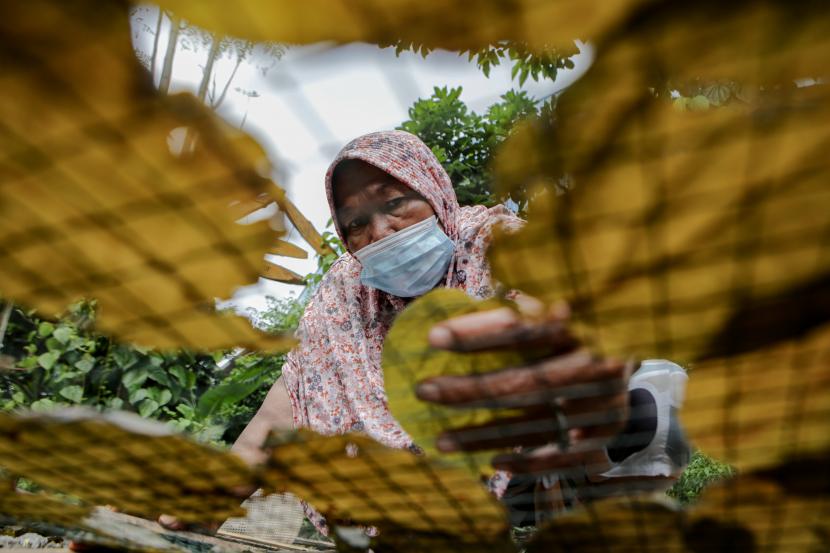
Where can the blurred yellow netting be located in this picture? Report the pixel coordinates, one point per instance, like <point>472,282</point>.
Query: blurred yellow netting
<point>93,527</point>
<point>745,514</point>
<point>356,479</point>
<point>39,507</point>
<point>677,223</point>
<point>450,24</point>
<point>404,540</point>
<point>762,408</point>
<point>138,466</point>
<point>638,524</point>
<point>98,202</point>
<point>696,236</point>
<point>752,514</point>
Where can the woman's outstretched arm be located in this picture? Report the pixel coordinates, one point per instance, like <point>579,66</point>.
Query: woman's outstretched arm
<point>274,414</point>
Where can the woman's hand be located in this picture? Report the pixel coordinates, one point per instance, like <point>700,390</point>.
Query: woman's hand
<point>572,404</point>
<point>207,527</point>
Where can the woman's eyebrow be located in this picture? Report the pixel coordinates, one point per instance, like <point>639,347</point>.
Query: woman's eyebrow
<point>344,213</point>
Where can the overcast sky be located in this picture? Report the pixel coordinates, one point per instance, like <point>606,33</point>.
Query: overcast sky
<point>309,103</point>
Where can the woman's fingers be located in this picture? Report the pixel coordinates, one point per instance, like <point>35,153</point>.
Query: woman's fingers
<point>499,329</point>
<point>171,523</point>
<point>589,456</point>
<point>527,430</point>
<point>572,376</point>
<point>598,417</point>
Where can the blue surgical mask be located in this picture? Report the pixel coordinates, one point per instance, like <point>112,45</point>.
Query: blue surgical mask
<point>408,263</point>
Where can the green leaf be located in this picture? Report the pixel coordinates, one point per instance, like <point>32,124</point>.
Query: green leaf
<point>523,76</point>
<point>143,350</point>
<point>45,329</point>
<point>718,94</point>
<point>61,374</point>
<point>47,360</point>
<point>124,357</point>
<point>41,405</point>
<point>29,362</point>
<point>115,403</point>
<point>53,344</point>
<point>180,425</point>
<point>62,334</point>
<point>85,363</point>
<point>158,374</point>
<point>134,378</point>
<point>19,397</point>
<point>160,395</point>
<point>82,344</point>
<point>224,394</point>
<point>211,433</point>
<point>73,393</point>
<point>148,407</point>
<point>179,374</point>
<point>164,397</point>
<point>139,395</point>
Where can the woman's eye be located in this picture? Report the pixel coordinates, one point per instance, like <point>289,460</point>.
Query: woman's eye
<point>356,225</point>
<point>395,203</point>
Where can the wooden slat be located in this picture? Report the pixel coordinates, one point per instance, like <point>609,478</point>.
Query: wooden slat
<point>304,226</point>
<point>283,247</point>
<point>281,274</point>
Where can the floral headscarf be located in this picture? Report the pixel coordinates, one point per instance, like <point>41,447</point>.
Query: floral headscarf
<point>334,377</point>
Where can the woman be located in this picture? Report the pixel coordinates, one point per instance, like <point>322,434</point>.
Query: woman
<point>378,186</point>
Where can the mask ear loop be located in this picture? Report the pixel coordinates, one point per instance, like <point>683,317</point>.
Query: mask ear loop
<point>451,270</point>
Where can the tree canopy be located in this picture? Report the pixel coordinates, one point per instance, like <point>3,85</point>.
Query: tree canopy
<point>464,141</point>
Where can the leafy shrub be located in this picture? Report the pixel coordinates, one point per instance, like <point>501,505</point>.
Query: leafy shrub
<point>464,141</point>
<point>701,472</point>
<point>63,362</point>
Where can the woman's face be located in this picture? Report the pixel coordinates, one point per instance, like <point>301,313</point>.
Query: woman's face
<point>371,204</point>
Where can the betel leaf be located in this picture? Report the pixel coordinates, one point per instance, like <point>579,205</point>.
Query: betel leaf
<point>161,395</point>
<point>47,360</point>
<point>62,334</point>
<point>115,403</point>
<point>73,393</point>
<point>139,395</point>
<point>409,359</point>
<point>41,405</point>
<point>45,329</point>
<point>158,374</point>
<point>53,344</point>
<point>148,407</point>
<point>179,374</point>
<point>124,357</point>
<point>134,378</point>
<point>85,363</point>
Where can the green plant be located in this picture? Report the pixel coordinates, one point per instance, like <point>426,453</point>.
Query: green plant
<point>701,472</point>
<point>464,141</point>
<point>63,362</point>
<point>544,63</point>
